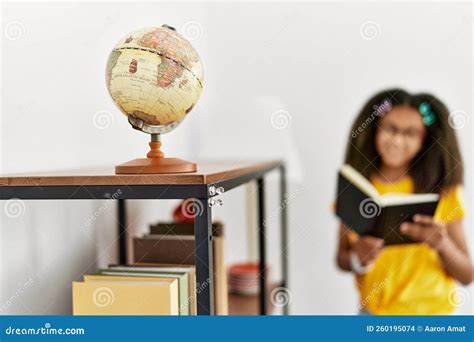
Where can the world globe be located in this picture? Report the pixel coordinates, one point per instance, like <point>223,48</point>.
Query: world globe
<point>155,78</point>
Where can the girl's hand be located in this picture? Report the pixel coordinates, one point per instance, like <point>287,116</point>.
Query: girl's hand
<point>368,249</point>
<point>425,229</point>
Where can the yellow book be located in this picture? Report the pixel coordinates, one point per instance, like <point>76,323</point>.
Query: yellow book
<point>124,297</point>
<point>152,267</point>
<point>182,283</point>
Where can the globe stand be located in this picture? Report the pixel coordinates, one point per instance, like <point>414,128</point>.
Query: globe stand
<point>155,162</point>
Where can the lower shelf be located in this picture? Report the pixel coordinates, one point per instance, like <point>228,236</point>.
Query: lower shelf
<point>249,304</point>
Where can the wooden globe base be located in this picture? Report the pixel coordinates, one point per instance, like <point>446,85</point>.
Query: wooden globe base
<point>155,163</point>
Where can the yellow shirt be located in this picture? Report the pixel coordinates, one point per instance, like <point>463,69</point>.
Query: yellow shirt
<point>409,279</point>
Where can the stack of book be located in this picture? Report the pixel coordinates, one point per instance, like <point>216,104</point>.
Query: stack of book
<point>173,243</point>
<point>137,290</point>
<point>161,280</point>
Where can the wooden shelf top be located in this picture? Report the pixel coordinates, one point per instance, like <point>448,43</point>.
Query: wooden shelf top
<point>207,173</point>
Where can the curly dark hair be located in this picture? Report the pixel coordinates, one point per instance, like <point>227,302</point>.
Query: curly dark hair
<point>437,167</point>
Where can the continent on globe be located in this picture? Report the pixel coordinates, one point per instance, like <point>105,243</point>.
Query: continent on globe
<point>154,75</point>
<point>132,68</point>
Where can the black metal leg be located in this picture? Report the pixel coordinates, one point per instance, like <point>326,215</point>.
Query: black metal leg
<point>284,233</point>
<point>122,232</point>
<point>261,245</point>
<point>204,258</point>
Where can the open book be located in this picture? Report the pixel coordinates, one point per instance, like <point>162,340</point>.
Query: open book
<point>364,210</point>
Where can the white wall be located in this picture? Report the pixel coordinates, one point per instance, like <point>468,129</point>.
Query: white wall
<point>312,65</point>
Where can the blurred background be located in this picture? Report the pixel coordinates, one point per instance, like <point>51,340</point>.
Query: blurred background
<point>282,80</point>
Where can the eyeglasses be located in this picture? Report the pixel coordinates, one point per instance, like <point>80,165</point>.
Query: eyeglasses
<point>407,134</point>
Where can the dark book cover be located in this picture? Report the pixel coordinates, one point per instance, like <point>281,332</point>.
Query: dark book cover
<point>179,228</point>
<point>166,249</point>
<point>379,216</point>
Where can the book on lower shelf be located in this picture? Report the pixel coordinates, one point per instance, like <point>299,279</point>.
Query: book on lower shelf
<point>171,243</point>
<point>163,269</point>
<point>133,275</point>
<point>101,296</point>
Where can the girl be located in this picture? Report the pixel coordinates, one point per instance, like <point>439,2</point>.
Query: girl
<point>404,143</point>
